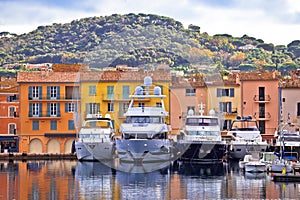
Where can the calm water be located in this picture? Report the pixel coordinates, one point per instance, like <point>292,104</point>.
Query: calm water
<point>94,180</point>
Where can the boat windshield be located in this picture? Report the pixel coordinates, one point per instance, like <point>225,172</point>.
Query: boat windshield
<point>97,124</point>
<point>201,121</point>
<point>204,133</point>
<point>244,126</point>
<point>144,119</point>
<point>94,136</point>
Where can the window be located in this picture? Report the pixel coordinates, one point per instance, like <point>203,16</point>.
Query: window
<point>125,92</point>
<point>225,107</point>
<point>35,125</point>
<point>226,124</point>
<point>92,90</point>
<point>110,107</point>
<point>71,107</point>
<point>12,111</point>
<point>261,92</point>
<point>110,92</point>
<point>228,92</point>
<point>190,92</point>
<point>35,110</point>
<point>92,108</point>
<point>12,129</point>
<point>72,92</point>
<point>71,125</point>
<point>158,104</point>
<point>53,92</point>
<point>35,92</point>
<point>298,109</point>
<point>53,109</point>
<point>53,125</point>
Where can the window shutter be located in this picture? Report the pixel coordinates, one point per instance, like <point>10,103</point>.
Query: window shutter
<point>40,110</point>
<point>66,107</point>
<point>48,109</point>
<point>58,109</point>
<point>232,92</point>
<point>76,107</point>
<point>30,110</point>
<point>40,92</point>
<point>58,92</point>
<point>229,107</point>
<point>30,93</point>
<point>48,92</point>
<point>220,106</point>
<point>218,92</point>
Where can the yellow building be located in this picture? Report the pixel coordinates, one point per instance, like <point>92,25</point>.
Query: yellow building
<point>48,101</point>
<point>224,96</point>
<point>107,92</point>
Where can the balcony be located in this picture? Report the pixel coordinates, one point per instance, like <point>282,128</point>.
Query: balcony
<point>262,116</point>
<point>118,98</point>
<point>44,116</point>
<point>262,99</point>
<point>66,99</point>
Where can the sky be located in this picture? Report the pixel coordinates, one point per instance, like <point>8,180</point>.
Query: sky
<point>273,21</point>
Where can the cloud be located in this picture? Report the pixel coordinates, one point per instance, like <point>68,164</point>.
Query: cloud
<point>275,21</point>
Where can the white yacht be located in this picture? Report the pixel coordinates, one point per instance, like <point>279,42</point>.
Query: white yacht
<point>95,139</point>
<point>246,138</point>
<point>202,136</point>
<point>144,131</point>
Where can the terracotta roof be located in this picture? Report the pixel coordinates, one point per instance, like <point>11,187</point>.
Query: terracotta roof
<point>47,76</point>
<point>124,76</point>
<point>251,76</point>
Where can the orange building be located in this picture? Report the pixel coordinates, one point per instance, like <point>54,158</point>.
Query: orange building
<point>260,99</point>
<point>48,101</point>
<point>9,112</point>
<point>185,94</point>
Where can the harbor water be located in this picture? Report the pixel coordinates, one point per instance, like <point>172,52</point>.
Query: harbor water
<point>66,179</point>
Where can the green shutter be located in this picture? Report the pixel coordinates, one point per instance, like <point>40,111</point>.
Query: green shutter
<point>58,109</point>
<point>40,92</point>
<point>30,93</point>
<point>58,92</point>
<point>48,92</point>
<point>30,110</point>
<point>48,109</point>
<point>66,107</point>
<point>40,109</point>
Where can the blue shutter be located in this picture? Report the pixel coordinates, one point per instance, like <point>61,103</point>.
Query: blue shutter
<point>30,110</point>
<point>219,92</point>
<point>66,107</point>
<point>40,110</point>
<point>232,92</point>
<point>229,107</point>
<point>58,92</point>
<point>70,125</point>
<point>76,107</point>
<point>58,109</point>
<point>30,93</point>
<point>220,106</point>
<point>48,92</point>
<point>40,92</point>
<point>48,109</point>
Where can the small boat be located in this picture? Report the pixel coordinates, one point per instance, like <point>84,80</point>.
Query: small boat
<point>145,131</point>
<point>280,165</point>
<point>202,137</point>
<point>252,163</point>
<point>95,139</point>
<point>285,177</point>
<point>246,138</point>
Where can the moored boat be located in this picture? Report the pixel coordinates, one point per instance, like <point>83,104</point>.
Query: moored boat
<point>145,131</point>
<point>202,139</point>
<point>95,139</point>
<point>246,138</point>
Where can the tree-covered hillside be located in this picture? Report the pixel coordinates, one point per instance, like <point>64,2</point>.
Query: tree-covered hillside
<point>142,39</point>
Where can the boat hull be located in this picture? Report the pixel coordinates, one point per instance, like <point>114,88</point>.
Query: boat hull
<point>278,167</point>
<point>239,150</point>
<point>92,151</point>
<point>204,152</point>
<point>140,150</point>
<point>255,167</point>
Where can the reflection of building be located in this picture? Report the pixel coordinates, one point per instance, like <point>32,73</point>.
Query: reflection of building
<point>9,115</point>
<point>48,101</point>
<point>107,92</point>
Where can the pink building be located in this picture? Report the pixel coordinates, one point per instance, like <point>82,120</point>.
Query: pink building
<point>260,99</point>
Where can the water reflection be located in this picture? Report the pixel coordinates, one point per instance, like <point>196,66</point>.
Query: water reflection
<point>95,180</point>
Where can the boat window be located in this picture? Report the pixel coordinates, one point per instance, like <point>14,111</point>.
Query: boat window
<point>202,122</point>
<point>143,119</point>
<point>204,133</point>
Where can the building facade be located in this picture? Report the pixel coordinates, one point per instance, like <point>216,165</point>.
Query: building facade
<point>48,105</point>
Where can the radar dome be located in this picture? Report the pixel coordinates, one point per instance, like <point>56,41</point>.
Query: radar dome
<point>212,112</point>
<point>148,81</point>
<point>138,90</point>
<point>157,90</point>
<point>190,112</point>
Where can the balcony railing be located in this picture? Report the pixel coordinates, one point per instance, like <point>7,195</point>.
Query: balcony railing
<point>262,116</point>
<point>44,115</point>
<point>54,99</point>
<point>265,98</point>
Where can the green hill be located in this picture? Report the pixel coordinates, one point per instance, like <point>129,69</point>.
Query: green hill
<point>141,40</point>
